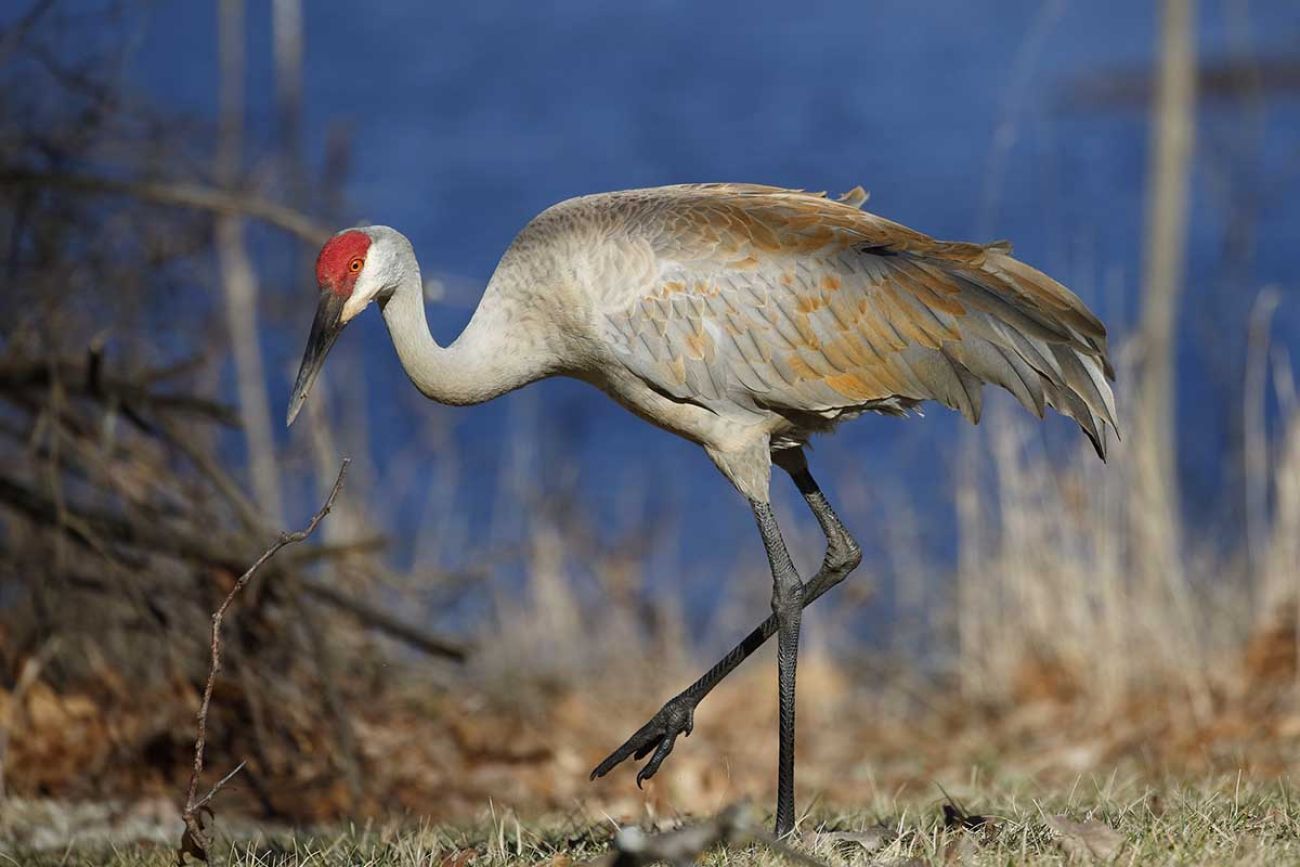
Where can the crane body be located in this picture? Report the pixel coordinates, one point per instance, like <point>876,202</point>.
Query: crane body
<point>746,319</point>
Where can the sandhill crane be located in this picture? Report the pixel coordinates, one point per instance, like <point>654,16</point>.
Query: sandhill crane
<point>744,318</point>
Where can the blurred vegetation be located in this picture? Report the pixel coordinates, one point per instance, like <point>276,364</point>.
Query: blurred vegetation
<point>1081,630</point>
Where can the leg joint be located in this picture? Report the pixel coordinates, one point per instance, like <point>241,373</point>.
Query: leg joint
<point>843,554</point>
<point>847,554</point>
<point>787,592</point>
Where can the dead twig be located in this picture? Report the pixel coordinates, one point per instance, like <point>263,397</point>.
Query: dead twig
<point>374,618</point>
<point>90,380</point>
<point>219,785</point>
<point>197,839</point>
<point>172,541</point>
<point>179,194</point>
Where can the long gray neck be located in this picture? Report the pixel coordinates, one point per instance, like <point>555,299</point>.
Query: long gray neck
<point>479,365</point>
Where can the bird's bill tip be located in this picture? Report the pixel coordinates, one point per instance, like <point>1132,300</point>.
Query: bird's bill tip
<point>325,330</point>
<point>295,406</point>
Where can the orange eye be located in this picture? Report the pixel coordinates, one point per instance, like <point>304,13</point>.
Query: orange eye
<point>355,265</point>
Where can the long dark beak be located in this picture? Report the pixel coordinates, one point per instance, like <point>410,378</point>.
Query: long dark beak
<point>325,330</point>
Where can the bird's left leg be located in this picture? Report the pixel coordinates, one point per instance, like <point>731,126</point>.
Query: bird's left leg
<point>787,606</point>
<point>677,716</point>
<point>787,610</point>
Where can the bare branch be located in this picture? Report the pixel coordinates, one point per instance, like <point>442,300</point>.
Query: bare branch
<point>182,195</point>
<point>197,838</point>
<point>375,618</point>
<point>173,542</point>
<point>13,37</point>
<point>220,784</point>
<point>89,380</point>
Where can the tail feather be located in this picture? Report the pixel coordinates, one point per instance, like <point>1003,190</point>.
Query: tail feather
<point>1072,365</point>
<point>1030,335</point>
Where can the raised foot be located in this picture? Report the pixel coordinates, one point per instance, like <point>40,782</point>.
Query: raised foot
<point>676,717</point>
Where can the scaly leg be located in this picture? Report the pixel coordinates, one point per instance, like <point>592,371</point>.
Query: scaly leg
<point>676,717</point>
<point>787,607</point>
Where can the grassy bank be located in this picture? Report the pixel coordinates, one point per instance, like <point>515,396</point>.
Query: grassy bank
<point>1214,821</point>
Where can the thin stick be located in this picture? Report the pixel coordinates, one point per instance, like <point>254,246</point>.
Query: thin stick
<point>195,839</point>
<point>173,542</point>
<point>180,194</point>
<point>219,785</point>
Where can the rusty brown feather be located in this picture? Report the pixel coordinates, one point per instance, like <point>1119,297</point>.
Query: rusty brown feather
<point>791,302</point>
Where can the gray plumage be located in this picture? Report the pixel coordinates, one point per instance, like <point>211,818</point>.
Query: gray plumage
<point>746,319</point>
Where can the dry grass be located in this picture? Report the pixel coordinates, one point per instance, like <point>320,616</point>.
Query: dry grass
<point>1214,821</point>
<point>1052,573</point>
<point>1058,666</point>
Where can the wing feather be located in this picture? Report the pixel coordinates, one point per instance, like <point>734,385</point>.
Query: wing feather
<point>772,299</point>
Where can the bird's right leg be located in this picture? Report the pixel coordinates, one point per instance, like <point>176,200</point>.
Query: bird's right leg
<point>677,716</point>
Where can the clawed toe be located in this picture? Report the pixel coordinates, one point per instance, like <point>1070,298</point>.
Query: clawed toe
<point>657,736</point>
<point>651,767</point>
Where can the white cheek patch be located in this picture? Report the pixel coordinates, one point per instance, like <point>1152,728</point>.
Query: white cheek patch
<point>355,304</point>
<point>363,292</point>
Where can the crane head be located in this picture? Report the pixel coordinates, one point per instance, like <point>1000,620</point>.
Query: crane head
<point>339,268</point>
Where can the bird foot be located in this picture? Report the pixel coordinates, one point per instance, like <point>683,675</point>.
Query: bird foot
<point>676,717</point>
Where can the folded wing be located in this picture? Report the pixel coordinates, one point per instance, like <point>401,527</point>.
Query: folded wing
<point>778,299</point>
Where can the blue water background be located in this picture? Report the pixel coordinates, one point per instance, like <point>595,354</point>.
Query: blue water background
<point>962,119</point>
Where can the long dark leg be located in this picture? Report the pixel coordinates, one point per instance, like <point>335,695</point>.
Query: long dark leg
<point>677,716</point>
<point>787,608</point>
